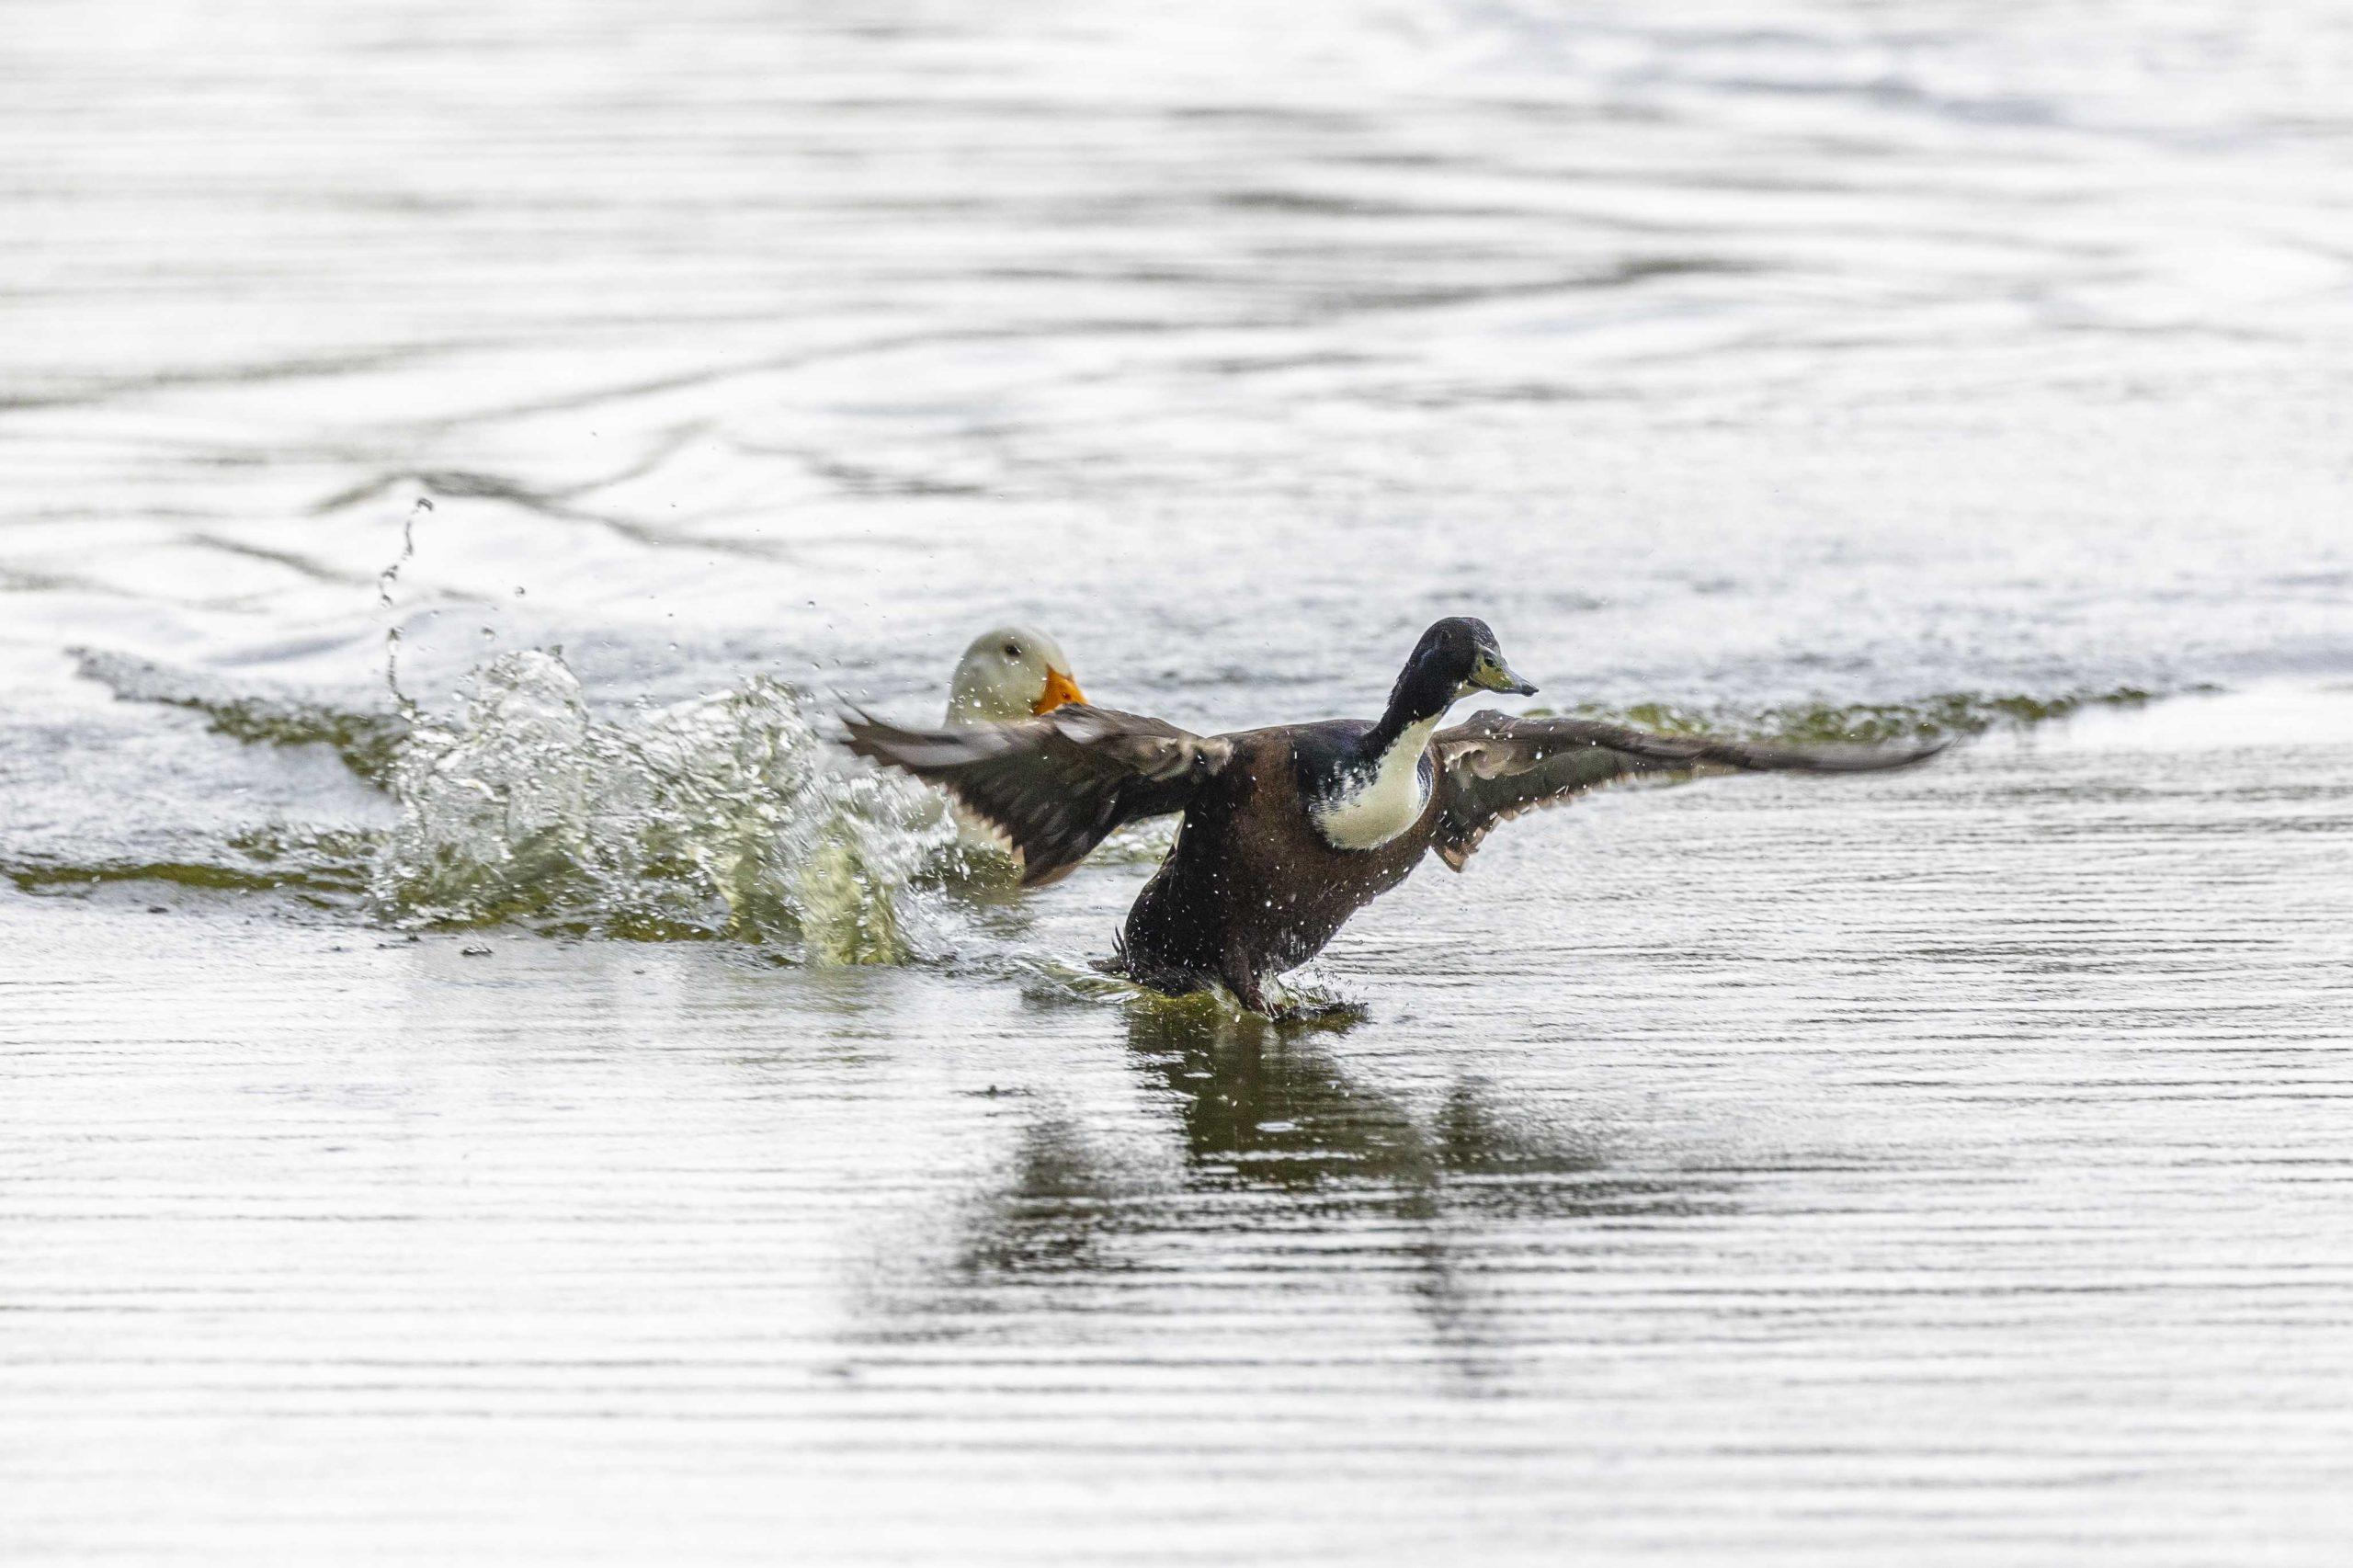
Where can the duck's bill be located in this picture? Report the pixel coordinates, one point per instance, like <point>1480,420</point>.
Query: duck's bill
<point>1493,674</point>
<point>1060,691</point>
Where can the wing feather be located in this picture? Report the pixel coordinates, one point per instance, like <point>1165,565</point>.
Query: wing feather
<point>1054,788</point>
<point>1495,767</point>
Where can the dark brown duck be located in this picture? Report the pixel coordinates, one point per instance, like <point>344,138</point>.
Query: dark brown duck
<point>1289,831</point>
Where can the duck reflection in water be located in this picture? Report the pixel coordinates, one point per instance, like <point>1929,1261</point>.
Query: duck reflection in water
<point>1274,1137</point>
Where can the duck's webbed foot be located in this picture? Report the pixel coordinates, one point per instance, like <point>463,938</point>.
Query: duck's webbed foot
<point>1250,996</point>
<point>1268,997</point>
<point>1331,1011</point>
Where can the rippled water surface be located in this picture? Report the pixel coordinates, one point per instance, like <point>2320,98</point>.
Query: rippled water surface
<point>531,1102</point>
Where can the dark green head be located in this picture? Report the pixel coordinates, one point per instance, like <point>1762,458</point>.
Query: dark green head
<point>1455,657</point>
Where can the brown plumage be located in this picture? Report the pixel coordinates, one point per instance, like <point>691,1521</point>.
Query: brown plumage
<point>1255,884</point>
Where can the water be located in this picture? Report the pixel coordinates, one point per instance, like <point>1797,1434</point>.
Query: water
<point>572,1120</point>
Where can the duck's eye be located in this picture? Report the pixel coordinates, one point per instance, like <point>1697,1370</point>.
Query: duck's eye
<point>1013,650</point>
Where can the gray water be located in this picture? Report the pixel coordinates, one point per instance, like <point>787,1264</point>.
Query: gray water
<point>534,1107</point>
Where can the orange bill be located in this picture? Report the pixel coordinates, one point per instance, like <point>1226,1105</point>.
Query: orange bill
<point>1060,688</point>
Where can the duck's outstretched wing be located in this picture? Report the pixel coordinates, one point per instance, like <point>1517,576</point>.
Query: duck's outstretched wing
<point>1053,787</point>
<point>1493,767</point>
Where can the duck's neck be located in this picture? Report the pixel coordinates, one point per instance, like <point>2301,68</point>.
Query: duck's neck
<point>1404,753</point>
<point>972,701</point>
<point>1382,796</point>
<point>1417,703</point>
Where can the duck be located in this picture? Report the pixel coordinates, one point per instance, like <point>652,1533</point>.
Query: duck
<point>1006,673</point>
<point>1011,673</point>
<point>1286,831</point>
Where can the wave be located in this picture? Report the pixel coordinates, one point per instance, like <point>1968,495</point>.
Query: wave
<point>727,817</point>
<point>324,868</point>
<point>369,742</point>
<point>1946,713</point>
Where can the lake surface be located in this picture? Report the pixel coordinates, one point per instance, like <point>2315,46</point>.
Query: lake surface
<point>472,1092</point>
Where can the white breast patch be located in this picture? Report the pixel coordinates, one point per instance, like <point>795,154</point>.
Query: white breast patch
<point>1386,803</point>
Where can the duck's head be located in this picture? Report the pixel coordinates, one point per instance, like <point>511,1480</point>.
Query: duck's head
<point>1011,673</point>
<point>1455,657</point>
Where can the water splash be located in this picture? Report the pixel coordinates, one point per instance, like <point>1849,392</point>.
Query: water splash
<point>384,582</point>
<point>725,817</point>
<point>720,818</point>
